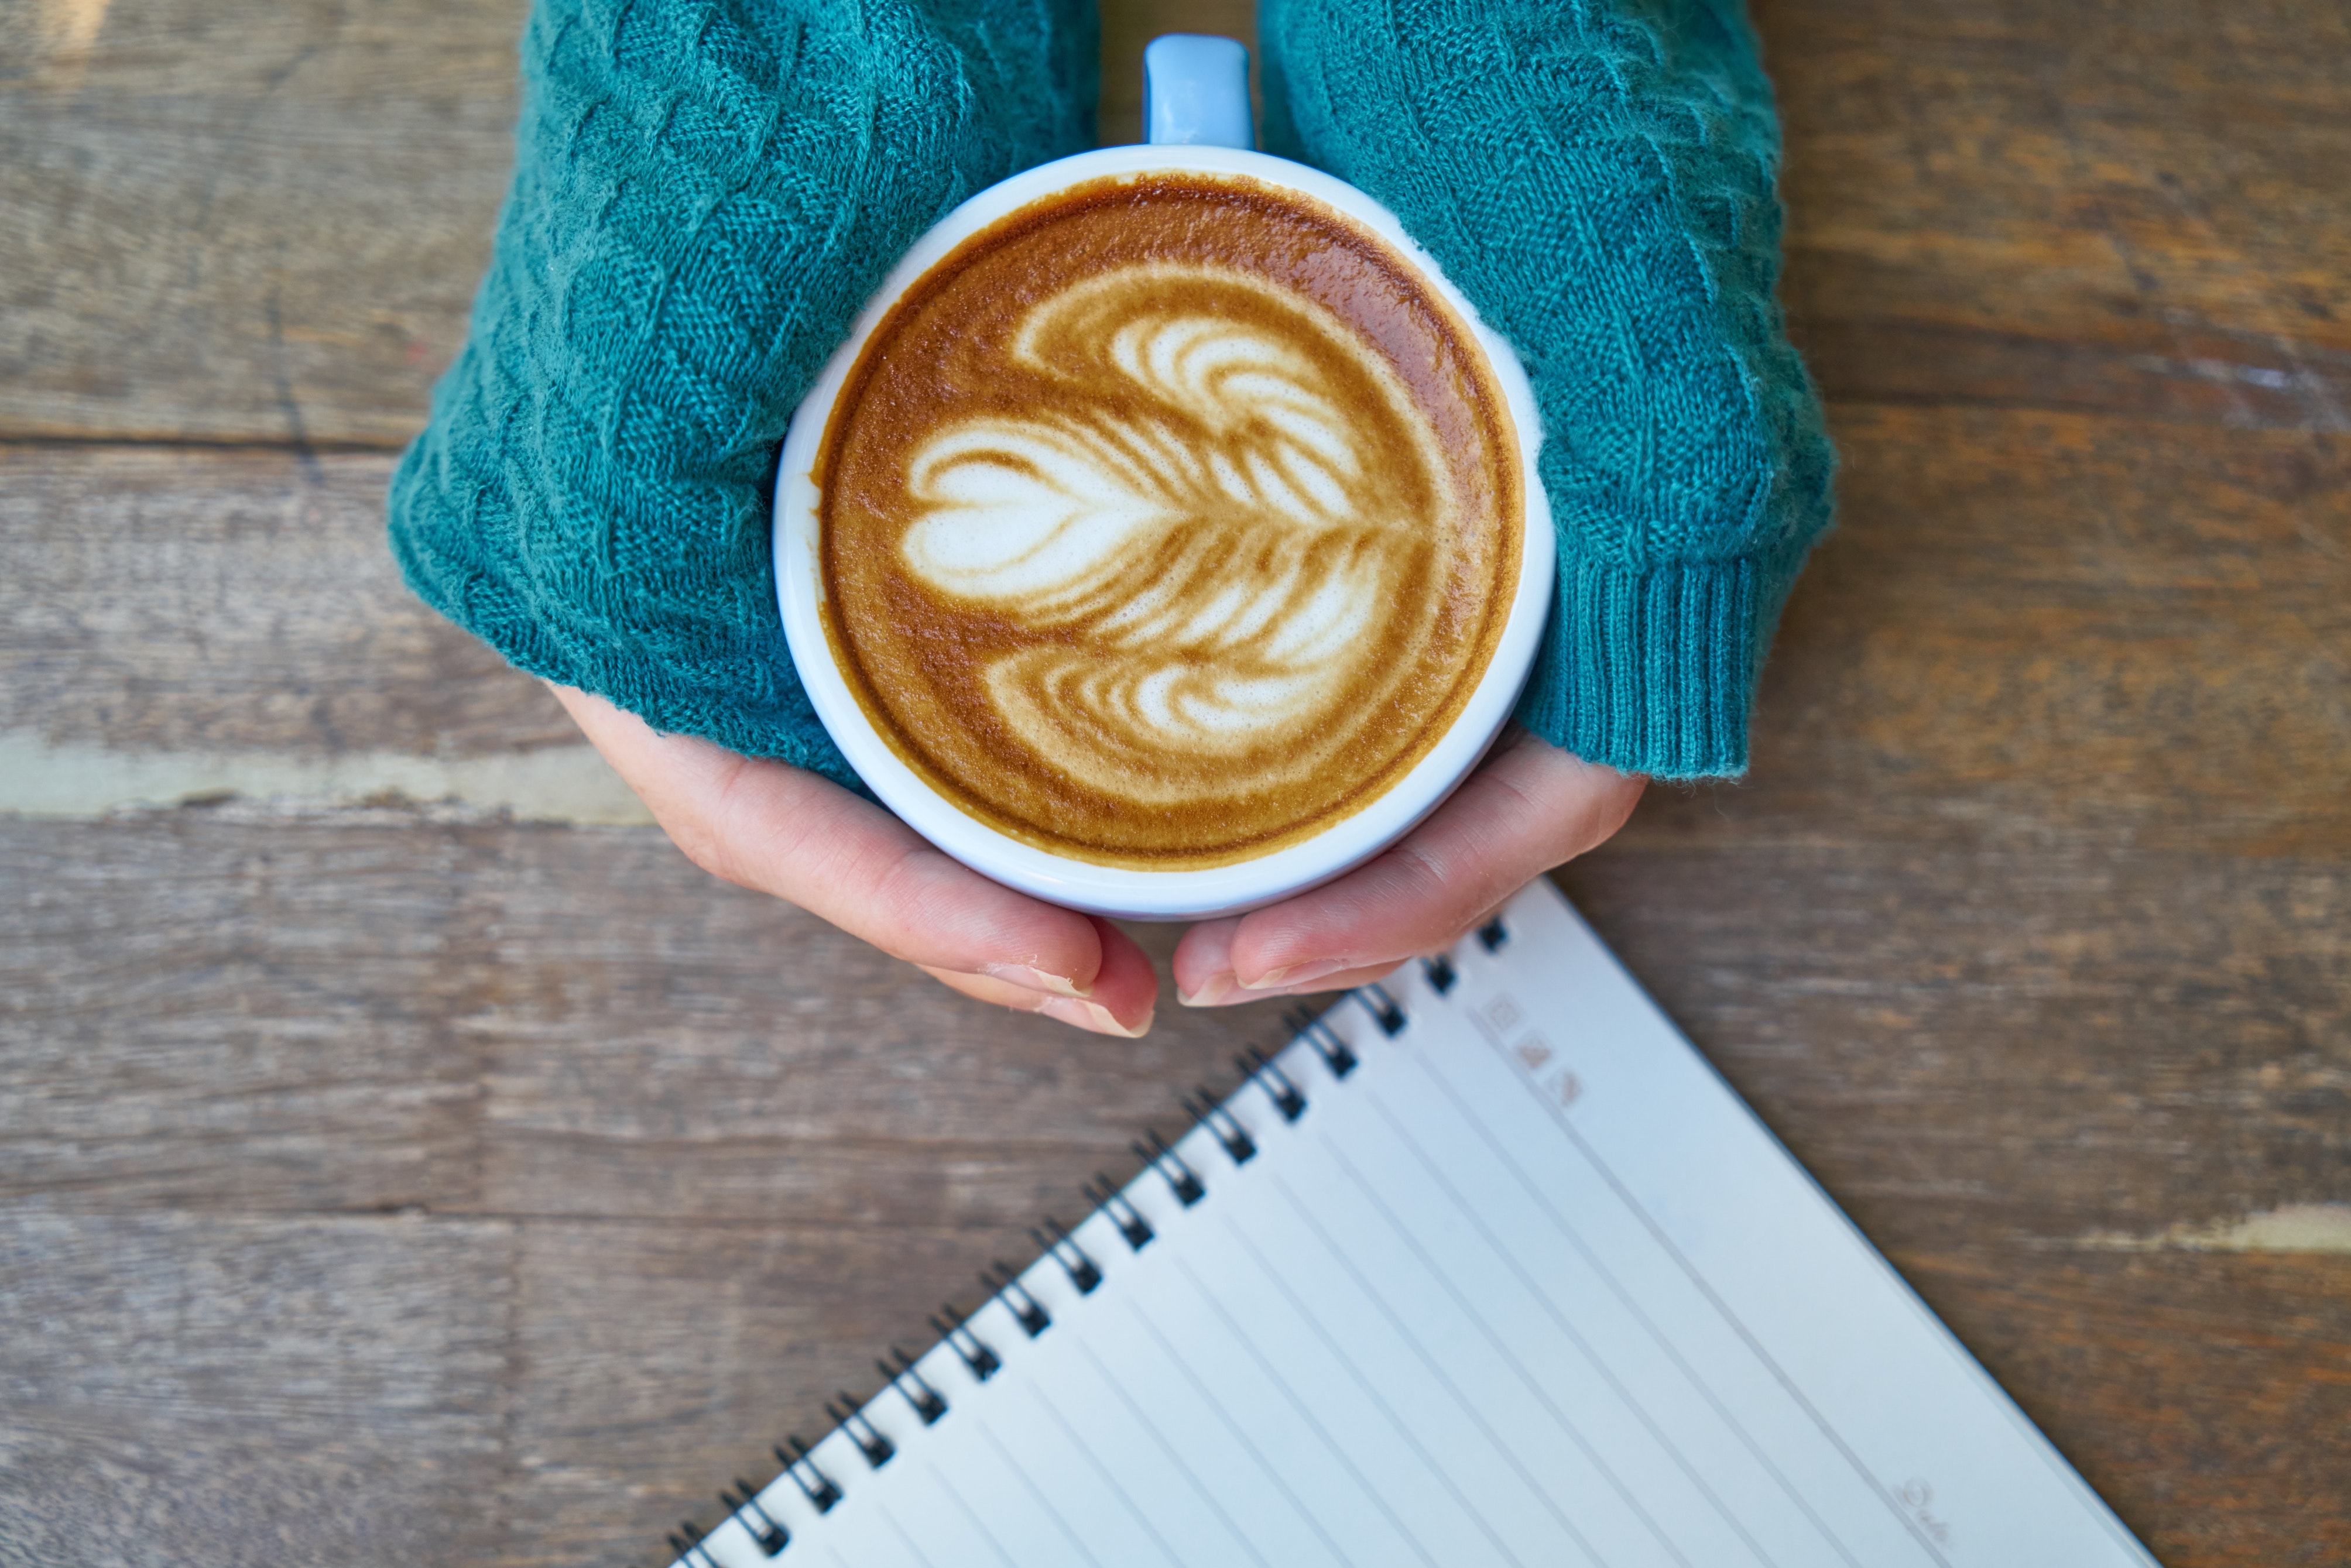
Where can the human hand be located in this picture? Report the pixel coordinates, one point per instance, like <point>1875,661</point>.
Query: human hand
<point>1528,807</point>
<point>779,830</point>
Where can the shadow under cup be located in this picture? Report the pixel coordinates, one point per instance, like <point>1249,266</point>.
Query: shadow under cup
<point>1166,539</point>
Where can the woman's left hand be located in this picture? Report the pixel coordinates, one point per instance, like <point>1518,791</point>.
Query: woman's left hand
<point>1528,807</point>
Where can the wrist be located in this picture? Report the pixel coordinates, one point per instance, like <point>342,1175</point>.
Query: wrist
<point>1651,669</point>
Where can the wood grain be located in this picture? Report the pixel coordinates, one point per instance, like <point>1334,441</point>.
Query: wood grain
<point>677,1355</point>
<point>177,599</point>
<point>252,1391</point>
<point>666,1100</point>
<point>2205,1396</point>
<point>2134,635</point>
<point>701,1071</point>
<point>308,1016</point>
<point>254,221</point>
<point>509,1188</point>
<point>2131,207</point>
<point>261,222</point>
<point>555,1391</point>
<point>384,1013</point>
<point>2018,1049</point>
<point>266,1020</point>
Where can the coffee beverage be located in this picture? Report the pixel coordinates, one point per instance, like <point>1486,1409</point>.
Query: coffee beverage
<point>1168,521</point>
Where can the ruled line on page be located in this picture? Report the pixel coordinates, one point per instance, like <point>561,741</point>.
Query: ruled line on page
<point>1566,1325</point>
<point>1173,1456</point>
<point>1575,1432</point>
<point>1306,1413</point>
<point>1371,1392</point>
<point>987,1434</point>
<point>1508,1452</point>
<point>1240,1433</point>
<point>1640,1213</point>
<point>1632,1304</point>
<point>905,1540</point>
<point>985,1533</point>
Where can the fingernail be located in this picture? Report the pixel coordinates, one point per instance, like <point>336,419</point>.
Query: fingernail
<point>1035,979</point>
<point>1295,975</point>
<point>1213,989</point>
<point>1093,1015</point>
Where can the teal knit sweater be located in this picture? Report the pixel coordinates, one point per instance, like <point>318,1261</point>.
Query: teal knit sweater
<point>706,191</point>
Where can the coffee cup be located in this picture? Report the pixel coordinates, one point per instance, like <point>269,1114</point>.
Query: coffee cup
<point>1166,539</point>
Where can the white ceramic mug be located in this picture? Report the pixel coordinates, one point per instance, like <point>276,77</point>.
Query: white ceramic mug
<point>1196,111</point>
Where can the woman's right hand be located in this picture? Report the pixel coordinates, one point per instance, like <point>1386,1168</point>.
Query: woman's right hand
<point>780,831</point>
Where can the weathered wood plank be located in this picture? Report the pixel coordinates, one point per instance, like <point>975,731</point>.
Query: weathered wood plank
<point>205,601</point>
<point>2071,206</point>
<point>246,221</point>
<point>553,1391</point>
<point>2135,636</point>
<point>675,1355</point>
<point>2015,1047</point>
<point>1997,1056</point>
<point>2006,1049</point>
<point>717,1053</point>
<point>264,222</point>
<point>253,1019</point>
<point>293,1015</point>
<point>250,1392</point>
<point>561,1392</point>
<point>2207,1396</point>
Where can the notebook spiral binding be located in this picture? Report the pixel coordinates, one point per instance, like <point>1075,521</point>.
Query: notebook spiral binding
<point>1053,1240</point>
<point>814,1484</point>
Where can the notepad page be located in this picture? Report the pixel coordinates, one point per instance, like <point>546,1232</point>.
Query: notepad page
<point>1527,1286</point>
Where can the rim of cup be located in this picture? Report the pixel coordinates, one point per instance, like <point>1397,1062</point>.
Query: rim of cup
<point>1203,891</point>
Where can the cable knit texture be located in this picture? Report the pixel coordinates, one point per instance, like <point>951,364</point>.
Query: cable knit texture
<point>706,190</point>
<point>1599,177</point>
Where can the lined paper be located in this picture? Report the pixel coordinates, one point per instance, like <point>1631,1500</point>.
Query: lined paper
<point>1529,1286</point>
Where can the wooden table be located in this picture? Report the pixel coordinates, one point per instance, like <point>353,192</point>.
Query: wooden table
<point>406,1157</point>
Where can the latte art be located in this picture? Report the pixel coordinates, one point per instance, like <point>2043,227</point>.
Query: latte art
<point>1235,489</point>
<point>1168,523</point>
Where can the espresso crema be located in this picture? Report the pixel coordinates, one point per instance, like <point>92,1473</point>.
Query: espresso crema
<point>1168,521</point>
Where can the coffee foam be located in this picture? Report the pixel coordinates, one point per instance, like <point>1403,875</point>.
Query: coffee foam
<point>1197,434</point>
<point>1158,559</point>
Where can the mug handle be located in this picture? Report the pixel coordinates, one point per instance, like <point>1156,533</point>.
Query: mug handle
<point>1196,91</point>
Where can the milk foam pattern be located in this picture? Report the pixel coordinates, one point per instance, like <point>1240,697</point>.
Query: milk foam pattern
<point>1214,522</point>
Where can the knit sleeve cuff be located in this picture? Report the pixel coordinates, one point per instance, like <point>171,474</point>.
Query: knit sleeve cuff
<point>1652,670</point>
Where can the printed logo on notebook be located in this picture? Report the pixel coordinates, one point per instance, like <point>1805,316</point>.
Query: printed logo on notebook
<point>1533,1054</point>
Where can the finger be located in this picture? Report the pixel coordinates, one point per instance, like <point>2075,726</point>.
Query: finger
<point>1204,964</point>
<point>1124,994</point>
<point>1204,977</point>
<point>1528,808</point>
<point>1346,979</point>
<point>787,833</point>
<point>1129,1019</point>
<point>1127,985</point>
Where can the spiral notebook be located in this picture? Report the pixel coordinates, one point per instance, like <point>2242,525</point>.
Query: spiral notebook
<point>1486,1266</point>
